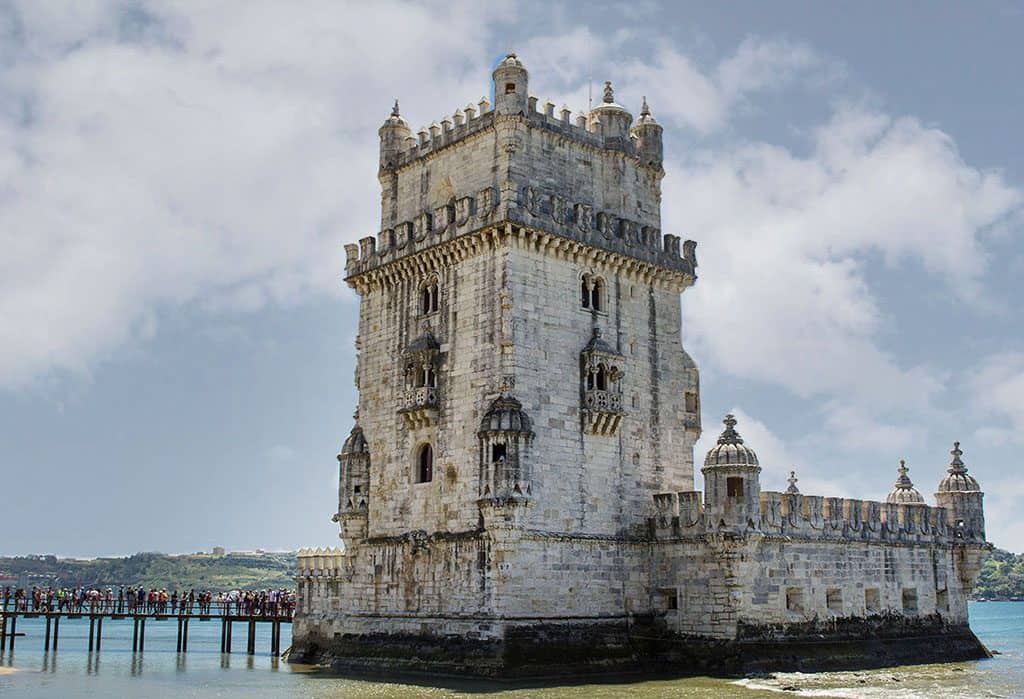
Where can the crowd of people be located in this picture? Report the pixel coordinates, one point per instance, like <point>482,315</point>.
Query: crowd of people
<point>139,600</point>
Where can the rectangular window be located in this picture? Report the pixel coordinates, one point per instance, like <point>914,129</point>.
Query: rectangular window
<point>834,600</point>
<point>942,602</point>
<point>670,596</point>
<point>734,487</point>
<point>510,88</point>
<point>498,452</point>
<point>872,600</point>
<point>795,600</point>
<point>691,402</point>
<point>910,601</point>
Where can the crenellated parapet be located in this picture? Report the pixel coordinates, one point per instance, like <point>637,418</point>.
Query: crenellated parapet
<point>319,563</point>
<point>812,517</point>
<point>595,180</point>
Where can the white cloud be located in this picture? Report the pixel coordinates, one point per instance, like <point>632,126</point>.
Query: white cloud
<point>207,154</point>
<point>785,246</point>
<point>996,389</point>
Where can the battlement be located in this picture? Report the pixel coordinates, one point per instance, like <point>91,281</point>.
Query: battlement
<point>472,119</point>
<point>319,562</point>
<point>682,515</point>
<point>595,180</point>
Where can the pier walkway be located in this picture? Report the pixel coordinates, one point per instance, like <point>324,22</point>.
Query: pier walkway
<point>215,612</point>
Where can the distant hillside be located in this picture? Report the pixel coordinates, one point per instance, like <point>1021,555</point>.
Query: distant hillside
<point>199,571</point>
<point>1002,576</point>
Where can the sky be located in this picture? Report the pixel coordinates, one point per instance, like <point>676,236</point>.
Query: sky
<point>177,180</point>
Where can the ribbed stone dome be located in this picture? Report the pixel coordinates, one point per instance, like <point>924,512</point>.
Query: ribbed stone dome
<point>903,491</point>
<point>958,480</point>
<point>506,415</point>
<point>355,444</point>
<point>730,450</point>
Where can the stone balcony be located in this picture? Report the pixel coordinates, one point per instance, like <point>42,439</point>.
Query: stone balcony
<point>602,411</point>
<point>420,407</point>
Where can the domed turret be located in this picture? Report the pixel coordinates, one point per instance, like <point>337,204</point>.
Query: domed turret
<point>612,119</point>
<point>393,133</point>
<point>732,487</point>
<point>511,86</point>
<point>353,484</point>
<point>647,132</point>
<point>505,434</point>
<point>961,496</point>
<point>903,491</point>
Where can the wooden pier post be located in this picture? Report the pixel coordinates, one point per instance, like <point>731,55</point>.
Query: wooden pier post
<point>230,629</point>
<point>3,631</point>
<point>99,632</point>
<point>14,628</point>
<point>56,630</point>
<point>135,636</point>
<point>46,640</point>
<point>251,648</point>
<point>181,622</point>
<point>223,633</point>
<point>142,635</point>
<point>184,638</point>
<point>92,630</point>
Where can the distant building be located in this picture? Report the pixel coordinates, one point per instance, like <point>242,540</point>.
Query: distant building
<point>517,496</point>
<point>218,550</point>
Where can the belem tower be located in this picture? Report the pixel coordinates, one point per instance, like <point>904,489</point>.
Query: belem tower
<point>517,496</point>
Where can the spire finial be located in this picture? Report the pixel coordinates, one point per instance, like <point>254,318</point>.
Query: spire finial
<point>644,109</point>
<point>730,435</point>
<point>394,110</point>
<point>903,482</point>
<point>792,489</point>
<point>609,95</point>
<point>956,466</point>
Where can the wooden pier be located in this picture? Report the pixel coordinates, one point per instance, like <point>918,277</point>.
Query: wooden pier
<point>228,621</point>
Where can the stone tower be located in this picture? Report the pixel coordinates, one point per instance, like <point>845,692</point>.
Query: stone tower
<point>517,494</point>
<point>519,329</point>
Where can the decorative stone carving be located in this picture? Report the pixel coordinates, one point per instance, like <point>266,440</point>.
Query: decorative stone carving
<point>600,375</point>
<point>559,207</point>
<point>584,217</point>
<point>463,210</point>
<point>485,202</point>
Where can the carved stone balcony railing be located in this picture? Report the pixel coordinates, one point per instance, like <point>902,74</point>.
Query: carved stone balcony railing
<point>602,411</point>
<point>419,407</point>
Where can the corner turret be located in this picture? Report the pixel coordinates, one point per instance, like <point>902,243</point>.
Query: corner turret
<point>647,132</point>
<point>510,86</point>
<point>732,485</point>
<point>960,494</point>
<point>393,133</point>
<point>611,120</point>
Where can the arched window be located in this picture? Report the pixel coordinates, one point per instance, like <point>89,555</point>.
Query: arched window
<point>425,465</point>
<point>585,291</point>
<point>597,295</point>
<point>428,297</point>
<point>602,378</point>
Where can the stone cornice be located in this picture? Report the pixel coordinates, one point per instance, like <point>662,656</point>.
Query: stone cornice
<point>447,253</point>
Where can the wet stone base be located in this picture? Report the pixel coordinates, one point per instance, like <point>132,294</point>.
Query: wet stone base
<point>640,647</point>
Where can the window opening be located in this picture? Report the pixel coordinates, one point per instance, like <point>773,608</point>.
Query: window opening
<point>734,487</point>
<point>426,464</point>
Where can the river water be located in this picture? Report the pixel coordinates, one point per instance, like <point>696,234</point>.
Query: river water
<point>203,672</point>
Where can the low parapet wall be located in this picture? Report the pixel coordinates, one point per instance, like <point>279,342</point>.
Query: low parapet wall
<point>681,515</point>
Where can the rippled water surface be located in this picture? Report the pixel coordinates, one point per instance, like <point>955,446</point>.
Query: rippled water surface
<point>203,672</point>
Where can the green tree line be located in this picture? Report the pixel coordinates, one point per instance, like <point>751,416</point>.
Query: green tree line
<point>1002,576</point>
<point>157,570</point>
